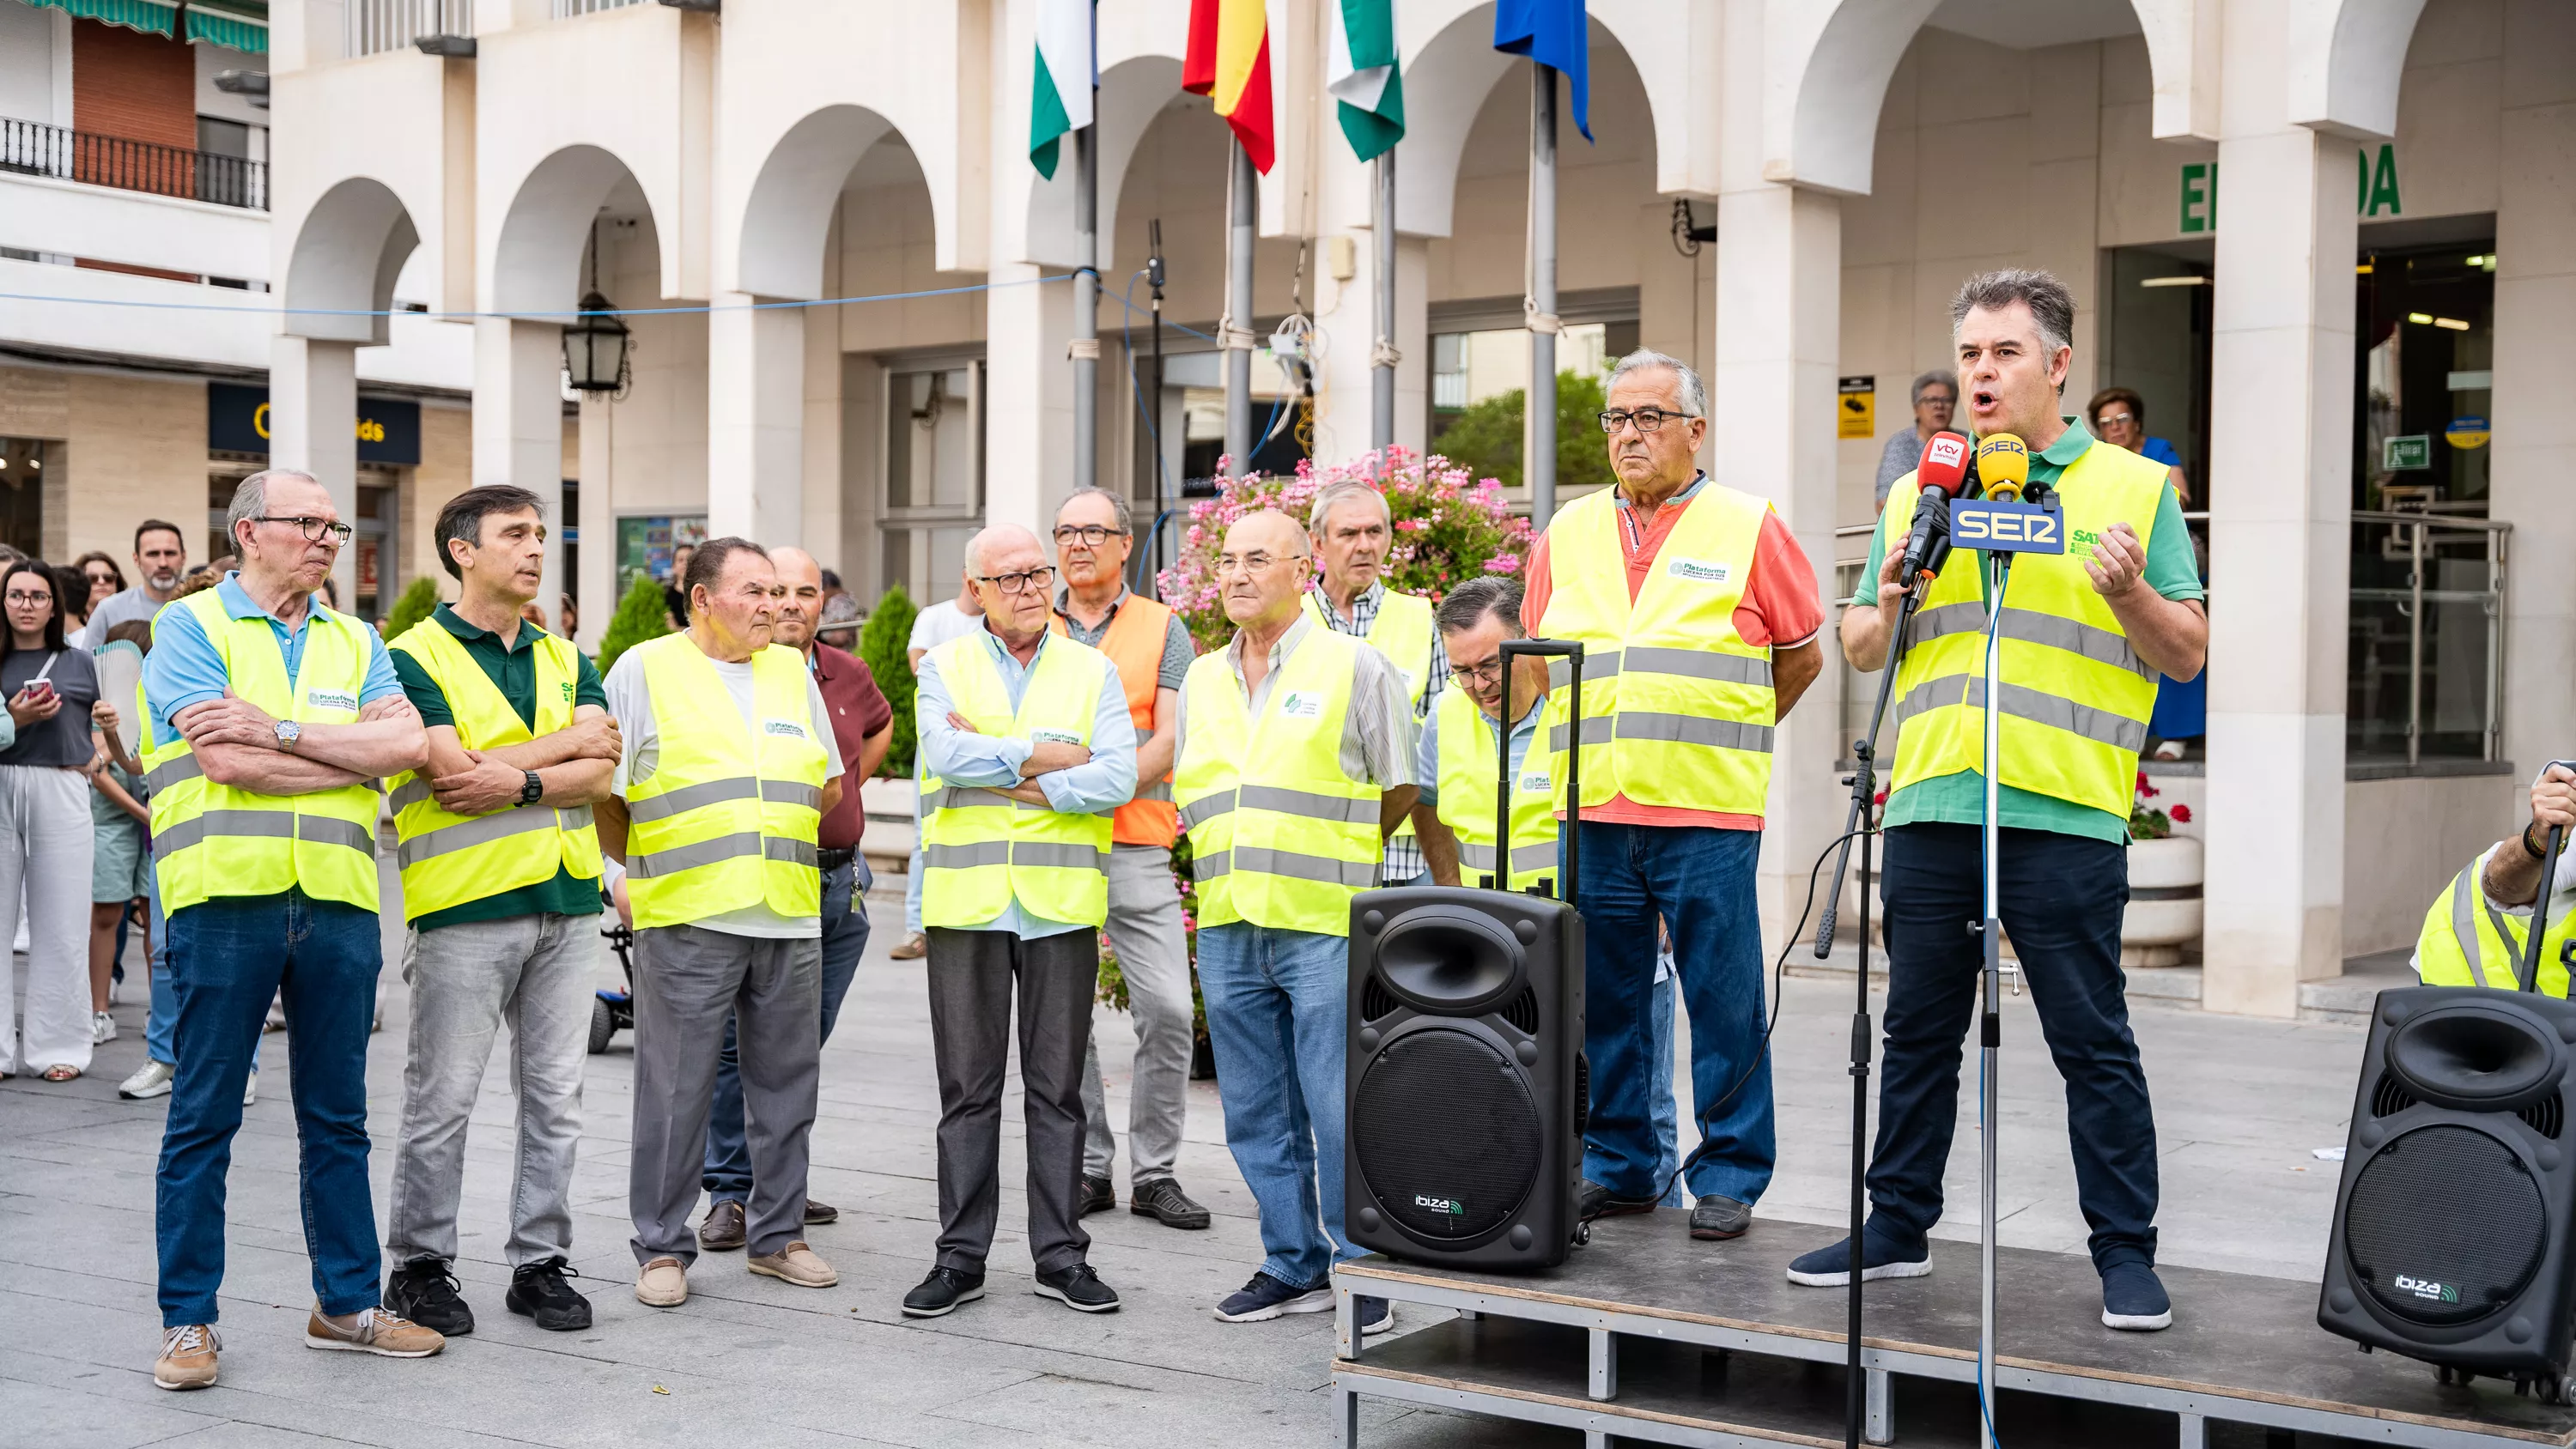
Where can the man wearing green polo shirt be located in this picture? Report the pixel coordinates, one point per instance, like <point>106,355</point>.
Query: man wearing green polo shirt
<point>500,873</point>
<point>2085,636</point>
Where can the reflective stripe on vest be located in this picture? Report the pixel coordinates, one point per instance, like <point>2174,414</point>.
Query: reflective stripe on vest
<point>1283,837</point>
<point>982,849</point>
<point>211,840</point>
<point>448,859</point>
<point>1677,707</point>
<point>2466,941</point>
<point>1403,631</point>
<point>727,820</point>
<point>1466,777</point>
<point>2075,697</point>
<point>1134,643</point>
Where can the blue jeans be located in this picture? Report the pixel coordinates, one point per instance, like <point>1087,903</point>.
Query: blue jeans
<point>228,956</point>
<point>845,936</point>
<point>1667,1134</point>
<point>162,1018</point>
<point>1277,1003</point>
<point>1699,879</point>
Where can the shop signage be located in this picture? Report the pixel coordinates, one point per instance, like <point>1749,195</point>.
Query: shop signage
<point>1856,416</point>
<point>2405,453</point>
<point>2468,432</point>
<point>2377,196</point>
<point>237,421</point>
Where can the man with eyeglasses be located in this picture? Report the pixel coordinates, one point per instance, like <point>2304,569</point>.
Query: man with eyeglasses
<point>1296,763</point>
<point>1700,616</point>
<point>1152,650</point>
<point>1352,529</point>
<point>270,721</point>
<point>1026,749</point>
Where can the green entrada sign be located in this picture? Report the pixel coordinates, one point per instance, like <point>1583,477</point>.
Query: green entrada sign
<point>2376,195</point>
<point>2406,452</point>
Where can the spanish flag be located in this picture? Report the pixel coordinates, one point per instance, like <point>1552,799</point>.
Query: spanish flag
<point>1229,62</point>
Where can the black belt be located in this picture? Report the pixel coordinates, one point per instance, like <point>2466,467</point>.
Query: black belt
<point>831,860</point>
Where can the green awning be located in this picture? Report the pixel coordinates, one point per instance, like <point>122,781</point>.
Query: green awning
<point>226,29</point>
<point>149,16</point>
<point>235,24</point>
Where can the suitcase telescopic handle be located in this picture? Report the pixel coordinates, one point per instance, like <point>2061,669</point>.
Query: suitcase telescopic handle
<point>2530,973</point>
<point>1572,651</point>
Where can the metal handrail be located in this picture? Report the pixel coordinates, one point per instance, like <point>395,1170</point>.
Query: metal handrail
<point>439,27</point>
<point>32,148</point>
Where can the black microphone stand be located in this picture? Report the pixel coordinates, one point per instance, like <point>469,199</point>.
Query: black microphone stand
<point>1864,783</point>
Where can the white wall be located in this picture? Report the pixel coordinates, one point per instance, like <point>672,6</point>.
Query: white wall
<point>28,65</point>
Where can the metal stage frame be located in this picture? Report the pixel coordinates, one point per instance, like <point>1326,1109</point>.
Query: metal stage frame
<point>1647,1335</point>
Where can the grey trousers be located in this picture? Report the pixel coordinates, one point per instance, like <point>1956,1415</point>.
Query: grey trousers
<point>535,973</point>
<point>1154,954</point>
<point>971,979</point>
<point>688,980</point>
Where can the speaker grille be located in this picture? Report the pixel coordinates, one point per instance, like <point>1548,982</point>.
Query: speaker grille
<point>2444,1226</point>
<point>2388,1099</point>
<point>1447,1134</point>
<point>1375,1000</point>
<point>1522,1012</point>
<point>2548,1116</point>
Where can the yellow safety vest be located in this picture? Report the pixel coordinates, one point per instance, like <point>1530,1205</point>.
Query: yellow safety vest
<point>981,848</point>
<point>1677,707</point>
<point>1467,773</point>
<point>2076,697</point>
<point>1402,631</point>
<point>212,840</point>
<point>450,859</point>
<point>727,822</point>
<point>2467,942</point>
<point>1282,836</point>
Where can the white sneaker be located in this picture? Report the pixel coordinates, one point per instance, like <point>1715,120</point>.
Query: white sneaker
<point>152,1081</point>
<point>102,1028</point>
<point>250,1090</point>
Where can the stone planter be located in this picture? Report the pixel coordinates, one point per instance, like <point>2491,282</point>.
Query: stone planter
<point>2164,901</point>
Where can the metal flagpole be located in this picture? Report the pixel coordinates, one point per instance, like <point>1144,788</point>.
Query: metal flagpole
<point>1086,304</point>
<point>1234,330</point>
<point>1539,405</point>
<point>1383,357</point>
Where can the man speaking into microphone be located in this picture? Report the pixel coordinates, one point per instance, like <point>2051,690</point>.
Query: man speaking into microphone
<point>2085,636</point>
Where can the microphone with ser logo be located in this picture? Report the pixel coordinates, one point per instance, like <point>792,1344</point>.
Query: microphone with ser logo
<point>2004,462</point>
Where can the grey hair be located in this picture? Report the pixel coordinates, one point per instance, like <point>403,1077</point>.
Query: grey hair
<point>1935,377</point>
<point>2052,307</point>
<point>1694,392</point>
<point>1322,508</point>
<point>1117,505</point>
<point>250,500</point>
<point>1467,605</point>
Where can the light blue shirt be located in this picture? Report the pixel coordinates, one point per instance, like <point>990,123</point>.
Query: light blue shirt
<point>1426,767</point>
<point>185,668</point>
<point>959,757</point>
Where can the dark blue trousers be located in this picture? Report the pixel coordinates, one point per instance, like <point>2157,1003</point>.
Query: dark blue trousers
<point>2061,900</point>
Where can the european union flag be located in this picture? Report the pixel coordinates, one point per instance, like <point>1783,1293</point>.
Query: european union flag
<point>1551,32</point>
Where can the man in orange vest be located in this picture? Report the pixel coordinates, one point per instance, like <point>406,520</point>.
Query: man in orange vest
<point>1152,650</point>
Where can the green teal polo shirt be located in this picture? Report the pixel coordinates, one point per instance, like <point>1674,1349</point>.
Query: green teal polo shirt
<point>512,668</point>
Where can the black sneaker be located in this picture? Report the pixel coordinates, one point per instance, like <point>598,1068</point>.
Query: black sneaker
<point>1163,1201</point>
<point>2132,1299</point>
<point>1098,1196</point>
<point>538,1291</point>
<point>1718,1216</point>
<point>1879,1258</point>
<point>1592,1200</point>
<point>1266,1298</point>
<point>941,1293</point>
<point>1079,1289</point>
<point>424,1291</point>
<point>1376,1316</point>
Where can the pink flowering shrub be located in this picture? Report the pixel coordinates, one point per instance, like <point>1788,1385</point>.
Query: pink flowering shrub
<point>1448,528</point>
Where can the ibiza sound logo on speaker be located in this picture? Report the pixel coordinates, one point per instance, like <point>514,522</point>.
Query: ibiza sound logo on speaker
<point>2427,1289</point>
<point>1449,1205</point>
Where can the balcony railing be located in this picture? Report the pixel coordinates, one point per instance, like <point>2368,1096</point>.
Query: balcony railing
<point>30,148</point>
<point>567,8</point>
<point>438,27</point>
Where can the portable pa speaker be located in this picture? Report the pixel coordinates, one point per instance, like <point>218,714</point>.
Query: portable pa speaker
<point>1464,1136</point>
<point>2453,1219</point>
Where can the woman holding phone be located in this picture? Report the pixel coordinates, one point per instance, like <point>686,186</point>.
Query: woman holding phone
<point>44,817</point>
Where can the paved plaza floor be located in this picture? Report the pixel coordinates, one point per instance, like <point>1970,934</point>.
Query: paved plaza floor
<point>753,1361</point>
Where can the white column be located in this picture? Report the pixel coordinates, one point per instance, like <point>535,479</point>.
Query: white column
<point>755,422</point>
<point>518,425</point>
<point>2535,431</point>
<point>2281,541</point>
<point>1028,399</point>
<point>1779,315</point>
<point>313,428</point>
<point>599,588</point>
<point>1350,335</point>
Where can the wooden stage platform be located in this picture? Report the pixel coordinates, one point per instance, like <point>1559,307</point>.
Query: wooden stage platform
<point>1647,1335</point>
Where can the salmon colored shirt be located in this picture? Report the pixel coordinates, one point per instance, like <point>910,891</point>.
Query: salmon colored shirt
<point>1780,609</point>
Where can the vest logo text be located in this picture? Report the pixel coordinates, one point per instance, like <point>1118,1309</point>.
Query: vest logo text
<point>787,727</point>
<point>1061,737</point>
<point>330,699</point>
<point>1537,784</point>
<point>2427,1289</point>
<point>1297,704</point>
<point>1700,570</point>
<point>1449,1205</point>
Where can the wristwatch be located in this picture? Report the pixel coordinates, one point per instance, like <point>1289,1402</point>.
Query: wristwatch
<point>532,789</point>
<point>288,732</point>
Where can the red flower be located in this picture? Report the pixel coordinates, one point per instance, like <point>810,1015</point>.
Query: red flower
<point>1879,799</point>
<point>2181,814</point>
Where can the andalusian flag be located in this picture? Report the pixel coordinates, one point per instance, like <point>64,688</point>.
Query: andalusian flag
<point>1365,78</point>
<point>1551,32</point>
<point>1067,69</point>
<point>1229,62</point>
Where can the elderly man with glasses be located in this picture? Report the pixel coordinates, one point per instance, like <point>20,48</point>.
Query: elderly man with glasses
<point>1700,617</point>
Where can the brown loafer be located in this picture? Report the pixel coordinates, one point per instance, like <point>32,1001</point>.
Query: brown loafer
<point>724,1230</point>
<point>797,1264</point>
<point>820,1212</point>
<point>912,950</point>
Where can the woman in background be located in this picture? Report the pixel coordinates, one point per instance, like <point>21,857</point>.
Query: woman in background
<point>44,815</point>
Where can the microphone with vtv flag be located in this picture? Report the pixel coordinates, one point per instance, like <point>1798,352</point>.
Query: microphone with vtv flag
<point>1943,475</point>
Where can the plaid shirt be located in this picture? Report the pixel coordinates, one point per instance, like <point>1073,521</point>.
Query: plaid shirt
<point>1404,854</point>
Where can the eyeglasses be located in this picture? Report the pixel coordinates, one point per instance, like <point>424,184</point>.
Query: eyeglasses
<point>314,529</point>
<point>1646,419</point>
<point>1091,534</point>
<point>2113,420</point>
<point>1040,579</point>
<point>1249,564</point>
<point>20,598</point>
<point>1482,676</point>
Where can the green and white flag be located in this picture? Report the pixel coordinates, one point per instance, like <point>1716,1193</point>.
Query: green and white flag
<point>1067,70</point>
<point>1365,79</point>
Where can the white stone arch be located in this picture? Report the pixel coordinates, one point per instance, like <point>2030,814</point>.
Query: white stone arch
<point>787,216</point>
<point>348,251</point>
<point>537,257</point>
<point>2346,60</point>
